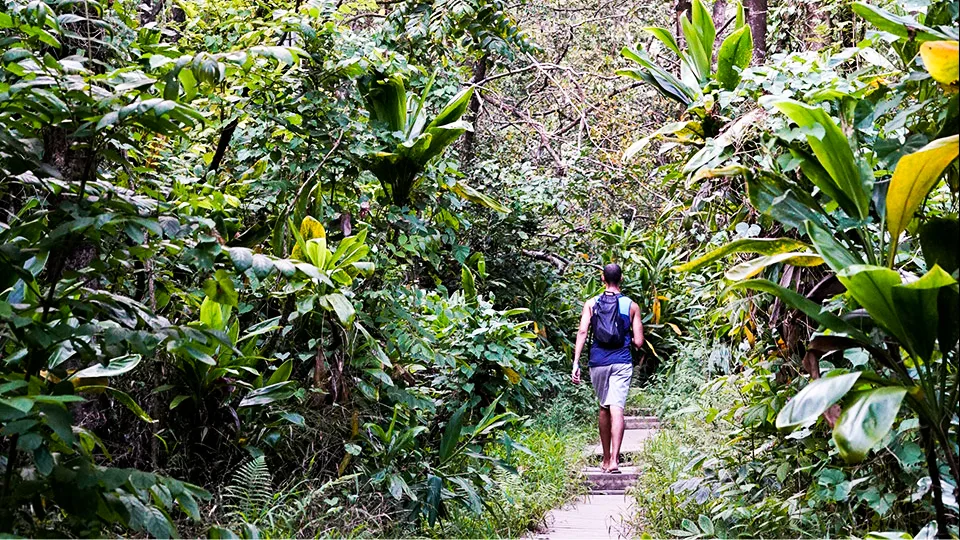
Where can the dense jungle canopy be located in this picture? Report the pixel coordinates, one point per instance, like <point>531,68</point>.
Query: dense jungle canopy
<point>308,268</point>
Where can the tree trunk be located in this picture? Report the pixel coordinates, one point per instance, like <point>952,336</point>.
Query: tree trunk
<point>469,138</point>
<point>719,13</point>
<point>757,19</point>
<point>934,471</point>
<point>682,10</point>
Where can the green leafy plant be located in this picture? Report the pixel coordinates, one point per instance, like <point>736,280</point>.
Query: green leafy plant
<point>907,324</point>
<point>411,139</point>
<point>699,81</point>
<point>431,479</point>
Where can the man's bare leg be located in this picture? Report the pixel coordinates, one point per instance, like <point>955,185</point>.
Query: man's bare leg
<point>605,436</point>
<point>615,414</point>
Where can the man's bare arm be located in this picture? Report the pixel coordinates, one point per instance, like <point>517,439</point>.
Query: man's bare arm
<point>637,325</point>
<point>581,340</point>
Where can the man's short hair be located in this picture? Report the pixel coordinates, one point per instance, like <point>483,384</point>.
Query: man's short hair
<point>612,274</point>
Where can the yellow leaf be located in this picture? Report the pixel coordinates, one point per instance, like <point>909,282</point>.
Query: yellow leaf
<point>751,339</point>
<point>941,59</point>
<point>310,228</point>
<point>675,328</point>
<point>656,311</point>
<point>914,177</point>
<point>512,375</point>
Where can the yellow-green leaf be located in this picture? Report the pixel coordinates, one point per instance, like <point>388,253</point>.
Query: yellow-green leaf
<point>914,177</point>
<point>748,269</point>
<point>476,197</point>
<point>735,54</point>
<point>942,60</point>
<point>762,246</point>
<point>317,252</point>
<point>311,228</point>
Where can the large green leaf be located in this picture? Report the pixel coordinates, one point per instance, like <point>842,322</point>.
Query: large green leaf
<point>434,498</point>
<point>895,24</point>
<point>815,398</point>
<point>761,246</point>
<point>317,252</point>
<point>453,110</point>
<point>386,98</point>
<point>665,83</point>
<point>451,434</point>
<point>213,314</point>
<point>114,367</point>
<point>814,172</point>
<point>866,421</point>
<point>836,255</point>
<point>441,137</point>
<point>269,394</point>
<point>938,240</point>
<point>700,33</point>
<point>783,200</point>
<point>281,374</point>
<point>832,150</point>
<point>122,397</point>
<point>468,285</point>
<point>750,268</point>
<point>663,80</point>
<point>341,306</point>
<point>872,287</point>
<point>741,17</point>
<point>916,307</point>
<point>698,54</point>
<point>220,288</point>
<point>734,56</point>
<point>914,177</point>
<point>665,37</point>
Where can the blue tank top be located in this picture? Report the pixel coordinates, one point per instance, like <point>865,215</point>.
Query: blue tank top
<point>605,357</point>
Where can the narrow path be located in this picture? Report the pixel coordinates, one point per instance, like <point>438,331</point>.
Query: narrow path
<point>601,513</point>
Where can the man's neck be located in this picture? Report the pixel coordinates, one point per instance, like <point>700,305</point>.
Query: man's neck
<point>612,290</point>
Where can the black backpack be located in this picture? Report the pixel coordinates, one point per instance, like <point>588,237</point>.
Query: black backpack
<point>609,330</point>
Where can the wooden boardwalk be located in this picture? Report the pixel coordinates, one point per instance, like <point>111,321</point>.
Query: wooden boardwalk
<point>602,513</point>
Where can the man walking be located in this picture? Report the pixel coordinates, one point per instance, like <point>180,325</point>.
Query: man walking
<point>614,321</point>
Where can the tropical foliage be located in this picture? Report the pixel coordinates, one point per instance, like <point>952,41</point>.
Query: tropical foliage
<point>314,268</point>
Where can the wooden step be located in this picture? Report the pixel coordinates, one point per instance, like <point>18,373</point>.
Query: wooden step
<point>641,422</point>
<point>605,482</point>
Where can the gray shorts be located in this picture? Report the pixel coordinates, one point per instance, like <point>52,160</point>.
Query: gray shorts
<point>612,383</point>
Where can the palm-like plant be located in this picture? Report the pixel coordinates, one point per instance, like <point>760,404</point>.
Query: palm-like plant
<point>400,170</point>
<point>696,61</point>
<point>698,76</point>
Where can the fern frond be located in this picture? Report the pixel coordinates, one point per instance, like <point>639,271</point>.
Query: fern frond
<point>250,492</point>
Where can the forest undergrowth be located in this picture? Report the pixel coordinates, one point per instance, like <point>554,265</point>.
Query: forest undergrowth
<point>314,269</point>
